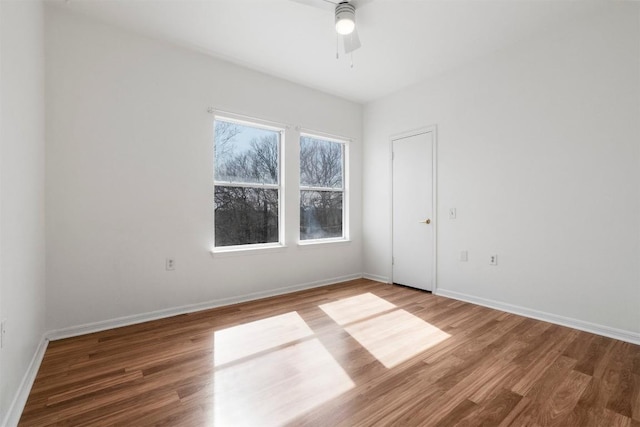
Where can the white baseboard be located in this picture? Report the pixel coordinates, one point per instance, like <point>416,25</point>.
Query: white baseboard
<point>20,399</point>
<point>88,328</point>
<point>376,278</point>
<point>619,334</point>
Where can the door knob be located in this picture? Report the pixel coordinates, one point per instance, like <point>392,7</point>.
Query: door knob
<point>426,221</point>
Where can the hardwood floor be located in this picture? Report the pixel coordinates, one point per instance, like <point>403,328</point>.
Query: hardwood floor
<point>358,353</point>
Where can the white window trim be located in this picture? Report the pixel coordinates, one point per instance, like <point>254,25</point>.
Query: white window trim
<point>345,142</point>
<point>315,243</point>
<point>253,247</point>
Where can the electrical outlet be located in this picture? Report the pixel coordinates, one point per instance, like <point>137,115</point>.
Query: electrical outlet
<point>493,259</point>
<point>3,333</point>
<point>170,264</point>
<point>464,256</point>
<point>452,213</point>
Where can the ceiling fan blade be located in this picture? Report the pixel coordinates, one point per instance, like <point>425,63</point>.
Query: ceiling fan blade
<point>360,3</point>
<point>331,4</point>
<point>351,41</point>
<point>320,4</point>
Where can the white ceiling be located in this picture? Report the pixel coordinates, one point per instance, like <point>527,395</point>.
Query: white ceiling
<point>403,41</point>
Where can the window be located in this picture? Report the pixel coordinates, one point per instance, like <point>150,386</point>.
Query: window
<point>322,187</point>
<point>246,183</point>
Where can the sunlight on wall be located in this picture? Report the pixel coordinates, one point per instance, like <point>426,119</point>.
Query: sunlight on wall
<point>360,307</point>
<point>392,337</point>
<point>270,371</point>
<point>244,340</point>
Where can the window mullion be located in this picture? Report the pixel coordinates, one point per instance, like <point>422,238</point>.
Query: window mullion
<point>246,185</point>
<point>308,188</point>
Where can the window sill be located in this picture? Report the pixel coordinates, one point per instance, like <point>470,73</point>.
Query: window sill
<point>252,250</point>
<point>321,243</point>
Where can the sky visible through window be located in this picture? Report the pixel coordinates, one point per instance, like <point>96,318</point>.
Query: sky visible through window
<point>240,143</point>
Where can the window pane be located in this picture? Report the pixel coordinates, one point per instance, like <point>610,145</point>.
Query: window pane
<point>320,214</point>
<point>245,215</point>
<point>246,154</point>
<point>320,163</point>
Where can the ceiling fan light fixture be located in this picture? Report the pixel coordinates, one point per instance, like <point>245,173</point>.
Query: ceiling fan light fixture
<point>345,18</point>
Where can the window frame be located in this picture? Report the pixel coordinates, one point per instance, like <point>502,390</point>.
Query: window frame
<point>279,186</point>
<point>344,143</point>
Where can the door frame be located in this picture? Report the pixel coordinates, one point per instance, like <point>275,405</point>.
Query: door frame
<point>433,129</point>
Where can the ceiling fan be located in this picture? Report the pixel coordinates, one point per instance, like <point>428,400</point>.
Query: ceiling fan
<point>345,20</point>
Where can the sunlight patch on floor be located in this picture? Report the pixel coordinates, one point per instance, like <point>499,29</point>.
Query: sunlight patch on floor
<point>395,337</point>
<point>270,371</point>
<point>349,310</point>
<point>276,387</point>
<point>247,339</point>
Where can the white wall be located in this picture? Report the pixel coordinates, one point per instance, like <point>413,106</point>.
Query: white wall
<point>129,175</point>
<point>539,150</point>
<point>22,260</point>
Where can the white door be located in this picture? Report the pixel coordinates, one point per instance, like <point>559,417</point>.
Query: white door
<point>413,223</point>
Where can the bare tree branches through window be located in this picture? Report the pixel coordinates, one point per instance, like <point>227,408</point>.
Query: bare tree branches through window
<point>321,188</point>
<point>246,184</point>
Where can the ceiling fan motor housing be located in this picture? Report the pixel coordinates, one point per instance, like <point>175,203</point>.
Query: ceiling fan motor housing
<point>345,18</point>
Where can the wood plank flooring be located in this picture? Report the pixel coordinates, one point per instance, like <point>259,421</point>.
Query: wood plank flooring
<point>358,353</point>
